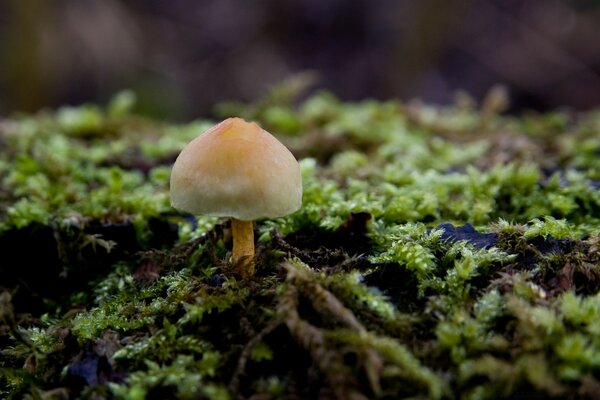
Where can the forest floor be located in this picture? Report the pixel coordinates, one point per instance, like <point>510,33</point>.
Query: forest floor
<point>440,252</point>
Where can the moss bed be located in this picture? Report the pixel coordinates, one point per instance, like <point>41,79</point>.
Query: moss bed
<point>441,252</point>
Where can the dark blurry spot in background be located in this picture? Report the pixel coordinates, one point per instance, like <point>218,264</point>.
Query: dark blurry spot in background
<point>183,56</point>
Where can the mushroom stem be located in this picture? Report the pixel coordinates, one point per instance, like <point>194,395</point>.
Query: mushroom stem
<point>243,247</point>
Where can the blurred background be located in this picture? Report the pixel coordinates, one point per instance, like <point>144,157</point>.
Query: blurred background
<point>183,56</point>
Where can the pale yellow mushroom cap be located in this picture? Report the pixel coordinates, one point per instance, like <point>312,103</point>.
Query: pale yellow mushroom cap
<point>236,169</point>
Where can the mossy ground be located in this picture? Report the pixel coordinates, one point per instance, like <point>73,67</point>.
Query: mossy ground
<point>441,252</point>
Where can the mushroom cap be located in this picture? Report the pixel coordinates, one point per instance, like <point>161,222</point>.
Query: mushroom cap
<point>236,169</point>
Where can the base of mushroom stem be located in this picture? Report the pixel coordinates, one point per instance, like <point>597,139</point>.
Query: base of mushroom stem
<point>244,267</point>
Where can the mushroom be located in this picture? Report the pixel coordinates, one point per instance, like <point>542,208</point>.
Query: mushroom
<point>237,169</point>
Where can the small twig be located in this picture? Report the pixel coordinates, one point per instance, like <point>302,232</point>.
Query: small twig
<point>323,301</point>
<point>326,304</point>
<point>311,338</point>
<point>240,370</point>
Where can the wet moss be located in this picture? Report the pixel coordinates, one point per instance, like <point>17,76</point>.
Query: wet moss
<point>440,252</point>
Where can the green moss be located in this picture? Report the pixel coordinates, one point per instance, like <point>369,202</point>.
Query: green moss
<point>184,375</point>
<point>379,300</point>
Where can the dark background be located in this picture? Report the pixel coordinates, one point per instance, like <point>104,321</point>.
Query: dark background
<point>183,56</point>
